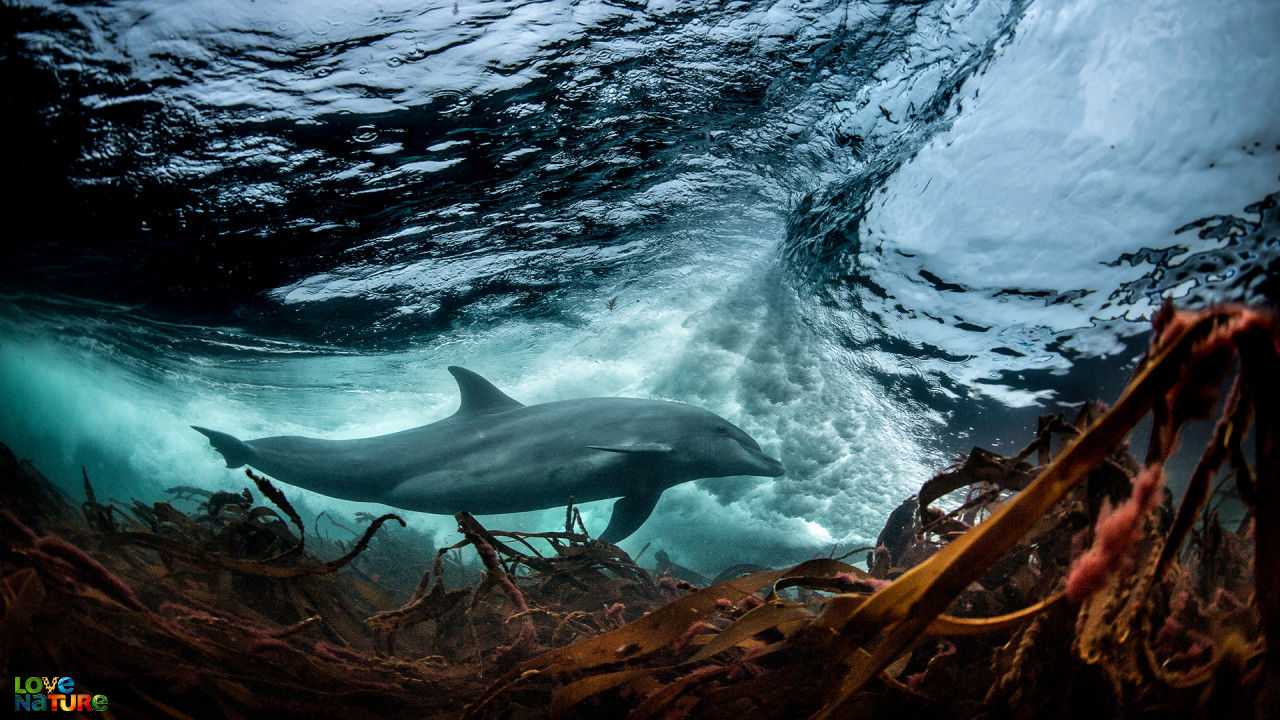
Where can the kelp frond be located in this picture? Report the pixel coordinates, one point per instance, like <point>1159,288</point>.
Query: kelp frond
<point>699,656</point>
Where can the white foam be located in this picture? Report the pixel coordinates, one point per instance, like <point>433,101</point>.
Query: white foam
<point>1101,129</point>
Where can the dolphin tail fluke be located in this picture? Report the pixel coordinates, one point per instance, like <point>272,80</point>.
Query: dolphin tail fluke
<point>233,449</point>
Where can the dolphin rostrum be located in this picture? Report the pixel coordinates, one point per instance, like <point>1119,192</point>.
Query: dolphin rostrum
<point>496,455</point>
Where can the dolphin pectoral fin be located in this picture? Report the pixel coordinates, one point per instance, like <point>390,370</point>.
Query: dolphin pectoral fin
<point>629,513</point>
<point>653,447</point>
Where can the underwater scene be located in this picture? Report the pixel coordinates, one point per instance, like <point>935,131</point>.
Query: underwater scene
<point>667,359</point>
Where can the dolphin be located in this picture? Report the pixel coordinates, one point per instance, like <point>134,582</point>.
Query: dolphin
<point>496,455</point>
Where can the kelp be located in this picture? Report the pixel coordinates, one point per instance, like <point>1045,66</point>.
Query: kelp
<point>222,611</point>
<point>870,650</point>
<point>1054,582</point>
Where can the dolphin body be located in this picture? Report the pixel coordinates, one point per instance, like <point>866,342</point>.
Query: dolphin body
<point>496,455</point>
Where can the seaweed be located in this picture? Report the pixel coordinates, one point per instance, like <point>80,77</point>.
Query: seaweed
<point>224,612</point>
<point>1051,583</point>
<point>1018,575</point>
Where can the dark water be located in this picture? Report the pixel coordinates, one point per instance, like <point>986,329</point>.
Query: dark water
<point>868,233</point>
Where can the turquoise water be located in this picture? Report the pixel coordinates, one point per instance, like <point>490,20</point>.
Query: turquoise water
<point>870,234</point>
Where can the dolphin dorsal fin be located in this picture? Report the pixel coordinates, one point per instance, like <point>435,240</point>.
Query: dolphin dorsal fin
<point>479,396</point>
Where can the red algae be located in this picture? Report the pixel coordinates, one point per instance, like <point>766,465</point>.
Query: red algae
<point>685,638</point>
<point>1117,532</point>
<point>87,570</point>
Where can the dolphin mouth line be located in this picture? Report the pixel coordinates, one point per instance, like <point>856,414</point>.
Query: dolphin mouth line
<point>773,467</point>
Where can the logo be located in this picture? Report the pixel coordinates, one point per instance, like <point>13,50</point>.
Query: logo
<point>57,693</point>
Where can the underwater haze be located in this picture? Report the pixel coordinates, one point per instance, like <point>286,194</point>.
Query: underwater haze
<point>870,234</point>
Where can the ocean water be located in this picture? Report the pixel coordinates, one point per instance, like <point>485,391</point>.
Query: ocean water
<point>871,234</point>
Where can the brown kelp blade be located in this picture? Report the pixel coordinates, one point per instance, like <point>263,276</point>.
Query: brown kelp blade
<point>908,606</point>
<point>662,626</point>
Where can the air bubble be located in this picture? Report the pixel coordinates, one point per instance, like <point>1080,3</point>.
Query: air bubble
<point>366,134</point>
